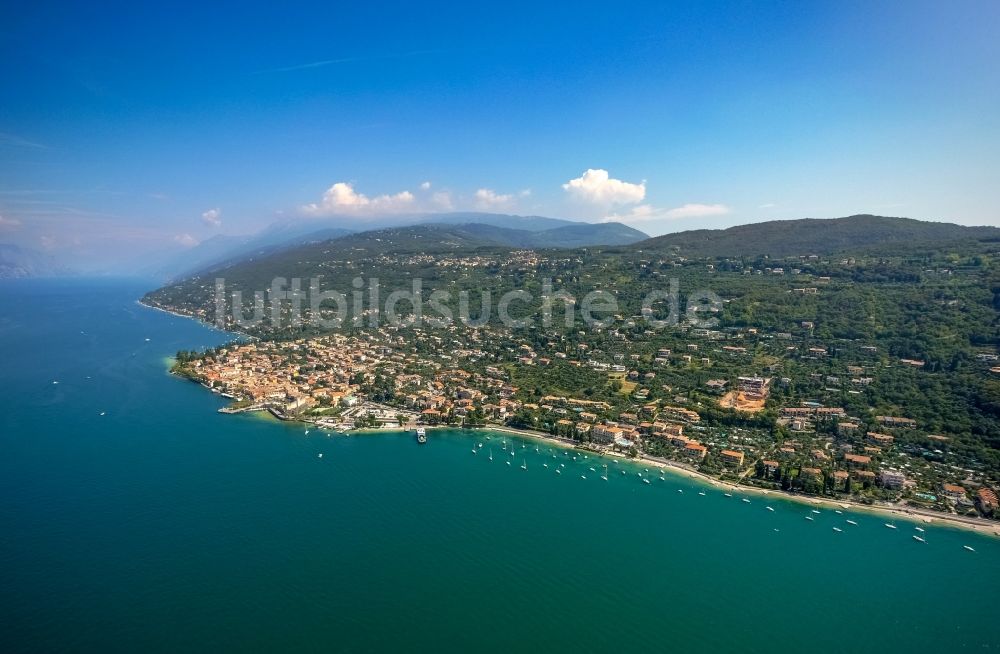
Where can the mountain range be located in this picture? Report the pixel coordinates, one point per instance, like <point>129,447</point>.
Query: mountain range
<point>781,238</point>
<point>18,262</point>
<point>472,228</point>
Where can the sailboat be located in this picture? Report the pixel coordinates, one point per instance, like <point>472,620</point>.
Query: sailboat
<point>491,454</point>
<point>605,475</point>
<point>524,464</point>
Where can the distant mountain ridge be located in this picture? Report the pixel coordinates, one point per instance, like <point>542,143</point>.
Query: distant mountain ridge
<point>17,262</point>
<point>821,236</point>
<point>481,228</point>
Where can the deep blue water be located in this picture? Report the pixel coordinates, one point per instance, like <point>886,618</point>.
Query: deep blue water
<point>166,526</point>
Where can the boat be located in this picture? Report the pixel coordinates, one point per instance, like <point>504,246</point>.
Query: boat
<point>968,548</point>
<point>890,525</point>
<point>746,500</point>
<point>769,508</point>
<point>815,511</point>
<point>545,465</point>
<point>838,511</point>
<point>701,492</point>
<point>837,529</point>
<point>508,463</point>
<point>473,450</point>
<point>320,455</point>
<point>524,464</point>
<point>605,475</point>
<point>558,471</point>
<point>918,538</point>
<point>645,481</point>
<point>809,517</point>
<point>592,470</point>
<point>728,494</point>
<point>680,490</point>
<point>851,522</point>
<point>421,435</point>
<point>491,454</point>
<point>920,529</point>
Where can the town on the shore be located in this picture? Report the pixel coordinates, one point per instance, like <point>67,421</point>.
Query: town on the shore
<point>639,399</point>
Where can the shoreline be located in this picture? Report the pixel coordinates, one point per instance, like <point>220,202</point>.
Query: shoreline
<point>915,516</point>
<point>909,514</point>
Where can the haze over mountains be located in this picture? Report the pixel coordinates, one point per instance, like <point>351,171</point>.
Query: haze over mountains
<point>484,228</point>
<point>17,262</point>
<point>306,240</point>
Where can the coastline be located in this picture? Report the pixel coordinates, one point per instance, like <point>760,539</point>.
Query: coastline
<point>908,514</point>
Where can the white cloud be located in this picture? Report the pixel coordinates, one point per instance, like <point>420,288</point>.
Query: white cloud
<point>425,186</point>
<point>342,198</point>
<point>9,222</point>
<point>487,198</point>
<point>769,205</point>
<point>442,200</point>
<point>186,240</point>
<point>213,217</point>
<point>597,187</point>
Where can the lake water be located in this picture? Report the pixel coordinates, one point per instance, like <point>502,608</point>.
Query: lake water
<point>163,525</point>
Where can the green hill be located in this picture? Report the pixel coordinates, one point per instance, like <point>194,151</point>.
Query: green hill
<point>782,238</point>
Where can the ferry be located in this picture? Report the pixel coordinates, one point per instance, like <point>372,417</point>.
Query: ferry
<point>421,435</point>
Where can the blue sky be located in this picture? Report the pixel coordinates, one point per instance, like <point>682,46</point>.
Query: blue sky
<point>129,128</point>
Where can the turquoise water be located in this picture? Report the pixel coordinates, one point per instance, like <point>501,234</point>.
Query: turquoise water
<point>165,526</point>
